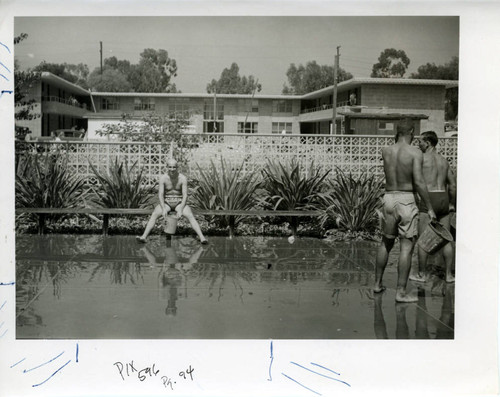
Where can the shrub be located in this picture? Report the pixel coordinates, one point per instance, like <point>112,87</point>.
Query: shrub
<point>287,188</point>
<point>122,187</point>
<point>352,203</point>
<point>225,189</point>
<point>47,183</point>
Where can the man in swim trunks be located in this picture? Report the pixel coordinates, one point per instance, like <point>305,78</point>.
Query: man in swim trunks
<point>172,194</point>
<point>403,174</point>
<point>441,184</point>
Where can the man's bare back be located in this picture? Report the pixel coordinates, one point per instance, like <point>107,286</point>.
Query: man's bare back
<point>435,170</point>
<point>401,164</point>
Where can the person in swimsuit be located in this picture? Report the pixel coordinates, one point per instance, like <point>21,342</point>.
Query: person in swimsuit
<point>172,194</point>
<point>441,184</point>
<point>403,174</point>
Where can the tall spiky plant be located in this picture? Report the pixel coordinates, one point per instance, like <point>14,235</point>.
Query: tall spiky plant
<point>48,183</point>
<point>288,188</point>
<point>226,188</point>
<point>122,187</point>
<point>352,202</point>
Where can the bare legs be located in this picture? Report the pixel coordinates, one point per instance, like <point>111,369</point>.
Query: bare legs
<point>158,212</point>
<point>404,264</point>
<point>384,249</point>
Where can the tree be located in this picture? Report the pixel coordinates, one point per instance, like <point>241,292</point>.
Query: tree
<point>24,81</point>
<point>391,63</point>
<point>153,73</point>
<point>448,71</point>
<point>76,74</point>
<point>230,82</point>
<point>169,130</point>
<point>312,77</point>
<point>111,80</point>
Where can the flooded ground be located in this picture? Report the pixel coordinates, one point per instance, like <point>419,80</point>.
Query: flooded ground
<point>94,287</point>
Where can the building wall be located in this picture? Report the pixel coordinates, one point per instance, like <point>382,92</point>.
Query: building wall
<point>395,96</point>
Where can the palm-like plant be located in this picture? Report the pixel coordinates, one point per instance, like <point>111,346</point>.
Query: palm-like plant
<point>225,189</point>
<point>48,183</point>
<point>286,187</point>
<point>352,203</point>
<point>122,187</point>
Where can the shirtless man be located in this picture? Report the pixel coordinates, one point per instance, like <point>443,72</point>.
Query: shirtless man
<point>442,188</point>
<point>403,174</point>
<point>172,194</point>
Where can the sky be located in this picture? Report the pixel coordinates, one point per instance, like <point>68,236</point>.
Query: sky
<point>261,46</point>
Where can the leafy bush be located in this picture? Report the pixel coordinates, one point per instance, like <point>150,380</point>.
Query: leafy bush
<point>286,187</point>
<point>122,187</point>
<point>225,189</point>
<point>352,203</point>
<point>47,183</point>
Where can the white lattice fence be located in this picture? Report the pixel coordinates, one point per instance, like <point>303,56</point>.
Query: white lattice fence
<point>354,153</point>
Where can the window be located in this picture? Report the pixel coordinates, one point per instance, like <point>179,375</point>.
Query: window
<point>247,128</point>
<point>248,105</point>
<point>278,128</point>
<point>178,106</point>
<point>386,126</point>
<point>208,110</point>
<point>213,126</point>
<point>282,106</point>
<point>110,103</point>
<point>144,104</point>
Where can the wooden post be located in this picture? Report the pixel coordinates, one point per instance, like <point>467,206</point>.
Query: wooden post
<point>41,223</point>
<point>105,224</point>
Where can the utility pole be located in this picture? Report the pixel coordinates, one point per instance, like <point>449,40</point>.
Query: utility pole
<point>335,74</point>
<point>215,109</point>
<point>101,56</point>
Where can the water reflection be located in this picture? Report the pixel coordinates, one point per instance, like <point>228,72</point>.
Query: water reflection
<point>299,290</point>
<point>427,325</point>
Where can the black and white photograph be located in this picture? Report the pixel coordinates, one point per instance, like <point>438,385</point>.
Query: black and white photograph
<point>291,187</point>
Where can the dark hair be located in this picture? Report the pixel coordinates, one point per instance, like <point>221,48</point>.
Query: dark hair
<point>405,127</point>
<point>431,137</point>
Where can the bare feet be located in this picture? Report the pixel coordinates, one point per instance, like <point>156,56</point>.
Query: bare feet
<point>450,279</point>
<point>204,241</point>
<point>141,240</point>
<point>405,298</point>
<point>418,277</point>
<point>378,288</point>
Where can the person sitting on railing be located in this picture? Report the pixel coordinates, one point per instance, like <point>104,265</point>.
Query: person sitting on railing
<point>172,194</point>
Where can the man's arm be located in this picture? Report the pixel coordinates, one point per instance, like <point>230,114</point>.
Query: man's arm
<point>419,182</point>
<point>451,181</point>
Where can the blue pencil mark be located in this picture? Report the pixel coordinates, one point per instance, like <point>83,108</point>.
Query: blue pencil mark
<point>8,49</point>
<point>19,362</point>
<point>271,363</point>
<point>305,387</point>
<point>1,336</point>
<point>8,70</point>
<point>4,77</point>
<point>3,304</point>
<point>77,352</point>
<point>328,369</point>
<point>41,365</point>
<point>39,384</point>
<point>11,283</point>
<point>317,373</point>
<point>5,91</point>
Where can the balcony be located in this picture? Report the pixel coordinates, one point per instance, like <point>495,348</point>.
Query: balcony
<point>63,106</point>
